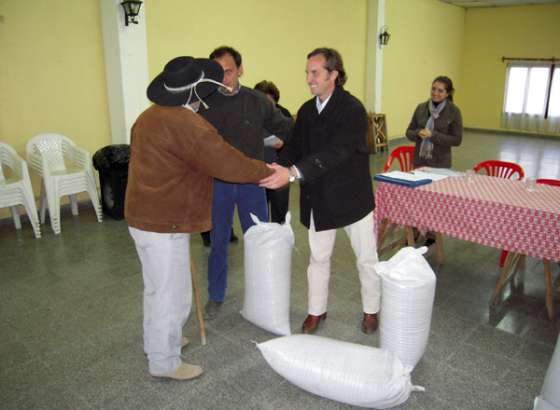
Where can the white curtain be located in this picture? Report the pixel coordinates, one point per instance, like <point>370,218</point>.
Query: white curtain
<point>530,91</point>
<point>532,123</point>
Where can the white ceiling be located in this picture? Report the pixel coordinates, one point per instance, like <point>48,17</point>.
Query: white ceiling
<point>498,3</point>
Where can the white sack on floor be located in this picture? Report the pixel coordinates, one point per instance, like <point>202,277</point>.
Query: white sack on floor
<point>268,267</point>
<point>408,289</point>
<point>346,372</point>
<point>542,404</point>
<point>550,393</point>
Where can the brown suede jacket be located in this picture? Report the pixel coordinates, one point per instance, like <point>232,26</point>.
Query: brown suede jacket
<point>175,154</point>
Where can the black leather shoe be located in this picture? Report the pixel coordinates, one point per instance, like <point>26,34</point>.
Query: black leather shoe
<point>311,323</point>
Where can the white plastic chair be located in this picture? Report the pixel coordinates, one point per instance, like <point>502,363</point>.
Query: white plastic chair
<point>16,189</point>
<point>66,170</point>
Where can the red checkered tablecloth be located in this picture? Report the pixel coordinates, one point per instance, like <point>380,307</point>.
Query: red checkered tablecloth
<point>491,211</point>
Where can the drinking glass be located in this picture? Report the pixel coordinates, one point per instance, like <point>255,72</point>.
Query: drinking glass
<point>531,184</point>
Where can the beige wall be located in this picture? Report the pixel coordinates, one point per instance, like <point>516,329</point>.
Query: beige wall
<point>52,76</point>
<point>492,33</point>
<point>426,41</point>
<point>273,37</point>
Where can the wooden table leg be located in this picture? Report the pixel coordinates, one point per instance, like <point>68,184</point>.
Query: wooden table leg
<point>385,231</point>
<point>381,234</point>
<point>502,278</point>
<point>410,236</point>
<point>509,268</point>
<point>557,283</point>
<point>196,293</point>
<point>549,289</point>
<point>518,282</point>
<point>439,248</point>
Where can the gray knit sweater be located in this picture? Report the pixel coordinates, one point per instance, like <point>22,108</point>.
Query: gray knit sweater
<point>240,119</point>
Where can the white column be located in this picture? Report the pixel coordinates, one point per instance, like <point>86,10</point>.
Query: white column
<point>126,67</point>
<point>379,57</point>
<point>374,55</point>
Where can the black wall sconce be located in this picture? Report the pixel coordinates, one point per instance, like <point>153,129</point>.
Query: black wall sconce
<point>384,36</point>
<point>131,10</point>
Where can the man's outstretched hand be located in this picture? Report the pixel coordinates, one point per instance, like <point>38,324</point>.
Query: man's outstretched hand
<point>278,179</point>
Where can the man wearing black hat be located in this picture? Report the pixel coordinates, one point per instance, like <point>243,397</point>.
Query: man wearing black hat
<point>239,114</point>
<point>175,154</point>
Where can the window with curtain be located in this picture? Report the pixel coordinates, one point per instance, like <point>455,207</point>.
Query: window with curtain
<point>532,97</point>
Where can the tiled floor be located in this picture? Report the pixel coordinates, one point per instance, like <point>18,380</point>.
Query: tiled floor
<point>70,319</point>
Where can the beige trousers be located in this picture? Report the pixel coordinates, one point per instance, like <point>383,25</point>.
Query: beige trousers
<point>363,240</point>
<point>166,271</point>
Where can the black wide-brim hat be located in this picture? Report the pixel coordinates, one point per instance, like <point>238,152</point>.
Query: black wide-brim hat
<point>175,83</point>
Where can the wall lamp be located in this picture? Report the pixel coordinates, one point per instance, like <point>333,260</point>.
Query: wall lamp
<point>131,10</point>
<point>384,36</point>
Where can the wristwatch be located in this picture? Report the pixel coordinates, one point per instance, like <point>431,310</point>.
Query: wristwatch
<point>293,174</point>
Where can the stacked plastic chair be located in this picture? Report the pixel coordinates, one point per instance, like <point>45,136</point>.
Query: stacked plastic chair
<point>65,170</point>
<point>16,190</point>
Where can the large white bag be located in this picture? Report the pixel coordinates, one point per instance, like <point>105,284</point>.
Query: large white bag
<point>408,289</point>
<point>268,267</point>
<point>550,393</point>
<point>346,372</point>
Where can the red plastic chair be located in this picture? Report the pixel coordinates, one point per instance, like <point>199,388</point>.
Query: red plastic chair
<point>403,155</point>
<point>545,181</point>
<point>501,169</point>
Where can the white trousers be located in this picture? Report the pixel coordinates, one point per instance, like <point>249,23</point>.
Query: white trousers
<point>165,259</point>
<point>362,239</point>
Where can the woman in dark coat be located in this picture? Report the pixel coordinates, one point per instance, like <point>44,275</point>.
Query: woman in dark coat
<point>436,126</point>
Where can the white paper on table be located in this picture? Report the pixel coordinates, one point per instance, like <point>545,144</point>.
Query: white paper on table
<point>429,175</point>
<point>442,171</point>
<point>412,176</point>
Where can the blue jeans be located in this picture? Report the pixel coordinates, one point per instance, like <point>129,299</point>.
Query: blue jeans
<point>249,198</point>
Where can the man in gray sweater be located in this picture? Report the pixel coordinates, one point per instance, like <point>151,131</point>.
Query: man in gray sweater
<point>239,116</point>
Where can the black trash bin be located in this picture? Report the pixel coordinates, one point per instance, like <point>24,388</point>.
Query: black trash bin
<point>112,163</point>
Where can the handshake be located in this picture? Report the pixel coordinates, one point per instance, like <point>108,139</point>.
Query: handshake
<point>278,179</point>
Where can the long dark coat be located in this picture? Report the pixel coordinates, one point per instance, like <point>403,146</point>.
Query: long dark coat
<point>331,152</point>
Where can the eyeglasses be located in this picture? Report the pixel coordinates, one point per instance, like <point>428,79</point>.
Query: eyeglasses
<point>439,90</point>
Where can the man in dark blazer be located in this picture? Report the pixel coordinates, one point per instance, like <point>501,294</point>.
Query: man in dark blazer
<point>328,154</point>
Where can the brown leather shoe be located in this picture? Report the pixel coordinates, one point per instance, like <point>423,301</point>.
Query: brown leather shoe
<point>311,323</point>
<point>369,323</point>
